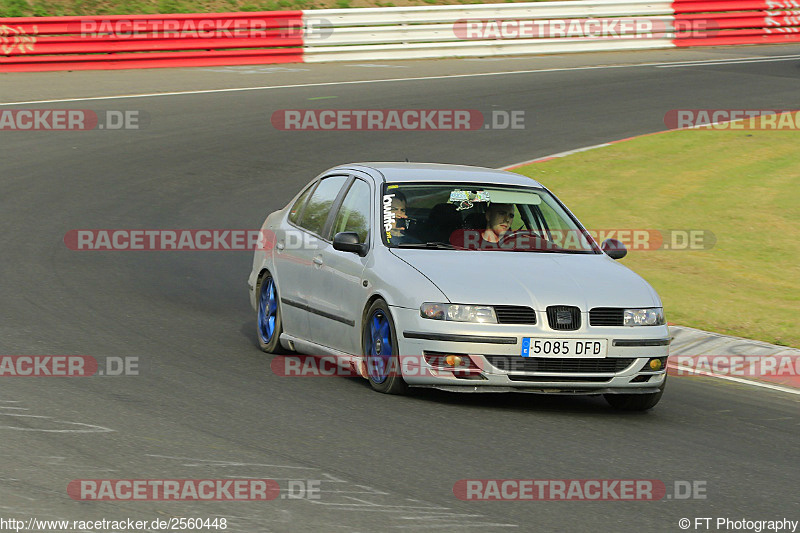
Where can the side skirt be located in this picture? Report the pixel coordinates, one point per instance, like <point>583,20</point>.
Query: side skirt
<point>344,360</point>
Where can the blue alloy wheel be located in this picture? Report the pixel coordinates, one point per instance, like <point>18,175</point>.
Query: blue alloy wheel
<point>267,310</point>
<point>379,346</point>
<point>269,317</point>
<point>381,350</point>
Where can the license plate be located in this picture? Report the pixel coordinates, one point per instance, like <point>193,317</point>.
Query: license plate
<point>541,347</point>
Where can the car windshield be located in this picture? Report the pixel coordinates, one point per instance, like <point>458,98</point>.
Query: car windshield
<point>459,216</point>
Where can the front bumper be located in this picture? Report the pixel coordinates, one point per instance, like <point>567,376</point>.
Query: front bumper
<point>497,365</point>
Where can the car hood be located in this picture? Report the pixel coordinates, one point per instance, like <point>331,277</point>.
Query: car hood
<point>531,279</point>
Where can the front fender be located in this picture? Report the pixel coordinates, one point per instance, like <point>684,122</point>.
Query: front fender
<point>397,282</point>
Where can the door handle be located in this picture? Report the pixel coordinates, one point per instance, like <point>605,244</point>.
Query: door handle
<point>317,261</point>
<point>280,246</point>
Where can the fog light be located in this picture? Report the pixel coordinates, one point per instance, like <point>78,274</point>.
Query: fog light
<point>655,364</point>
<point>452,360</point>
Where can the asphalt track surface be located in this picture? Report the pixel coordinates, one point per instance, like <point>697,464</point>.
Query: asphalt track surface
<point>207,405</point>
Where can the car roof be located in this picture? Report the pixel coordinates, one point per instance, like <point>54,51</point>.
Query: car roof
<point>433,172</point>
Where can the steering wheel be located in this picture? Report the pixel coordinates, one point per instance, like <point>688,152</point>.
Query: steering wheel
<point>507,236</point>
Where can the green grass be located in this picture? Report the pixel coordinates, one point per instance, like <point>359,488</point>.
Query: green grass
<point>13,8</point>
<point>744,186</point>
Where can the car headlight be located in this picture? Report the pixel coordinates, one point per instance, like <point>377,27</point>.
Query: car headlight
<point>651,316</point>
<point>459,313</point>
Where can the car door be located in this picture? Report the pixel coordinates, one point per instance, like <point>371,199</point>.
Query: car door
<point>337,291</point>
<point>295,248</point>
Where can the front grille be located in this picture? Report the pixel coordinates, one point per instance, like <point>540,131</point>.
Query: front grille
<point>606,316</point>
<point>514,314</point>
<point>564,317</point>
<point>563,365</point>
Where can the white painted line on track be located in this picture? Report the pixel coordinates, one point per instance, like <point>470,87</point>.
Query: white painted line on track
<point>754,59</point>
<point>92,428</point>
<point>735,61</point>
<point>555,156</point>
<point>733,378</point>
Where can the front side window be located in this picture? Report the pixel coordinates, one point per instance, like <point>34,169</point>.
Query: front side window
<point>354,213</point>
<point>316,211</point>
<point>477,217</point>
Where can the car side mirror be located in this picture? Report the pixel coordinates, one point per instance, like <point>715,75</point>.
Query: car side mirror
<point>347,241</point>
<point>614,249</point>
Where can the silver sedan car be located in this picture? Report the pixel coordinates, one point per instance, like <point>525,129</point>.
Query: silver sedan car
<point>458,278</point>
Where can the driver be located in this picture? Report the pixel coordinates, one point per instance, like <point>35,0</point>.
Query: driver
<point>498,221</point>
<point>499,218</point>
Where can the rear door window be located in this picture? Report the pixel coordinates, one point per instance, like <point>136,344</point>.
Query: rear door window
<point>297,208</point>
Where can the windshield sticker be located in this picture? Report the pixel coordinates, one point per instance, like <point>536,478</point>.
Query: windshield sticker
<point>388,215</point>
<point>469,196</point>
<point>457,196</point>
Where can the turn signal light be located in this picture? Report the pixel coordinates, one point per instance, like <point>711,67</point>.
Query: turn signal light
<point>452,360</point>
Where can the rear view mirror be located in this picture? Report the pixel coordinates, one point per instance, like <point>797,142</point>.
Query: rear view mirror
<point>347,241</point>
<point>614,248</point>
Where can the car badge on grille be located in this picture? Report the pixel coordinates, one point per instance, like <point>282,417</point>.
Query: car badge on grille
<point>563,317</point>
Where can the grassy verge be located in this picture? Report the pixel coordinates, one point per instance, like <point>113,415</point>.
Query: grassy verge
<point>60,8</point>
<point>744,186</point>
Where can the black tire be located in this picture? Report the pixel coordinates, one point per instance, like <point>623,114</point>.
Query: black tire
<point>268,338</point>
<point>635,402</point>
<point>384,373</point>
